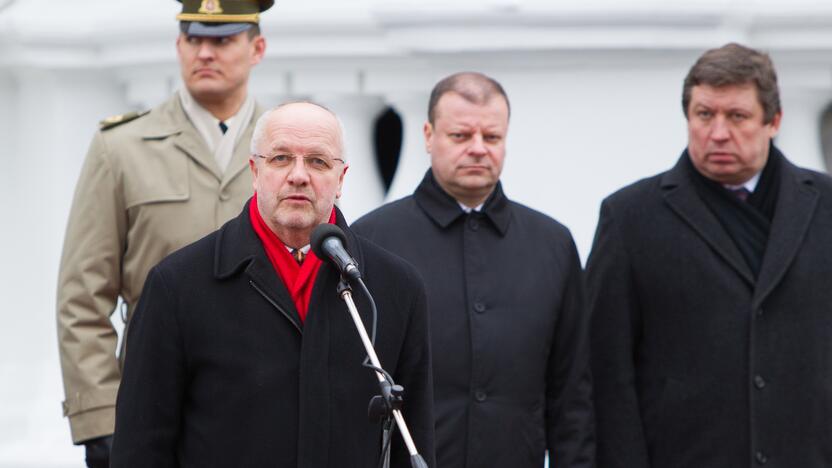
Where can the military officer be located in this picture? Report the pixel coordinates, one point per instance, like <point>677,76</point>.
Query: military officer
<point>151,183</point>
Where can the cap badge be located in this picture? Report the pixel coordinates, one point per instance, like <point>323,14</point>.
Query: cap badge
<point>210,7</point>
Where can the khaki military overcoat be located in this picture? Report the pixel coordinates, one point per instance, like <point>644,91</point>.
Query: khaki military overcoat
<point>148,187</point>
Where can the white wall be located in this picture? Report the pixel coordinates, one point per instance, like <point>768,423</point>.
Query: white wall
<point>595,96</point>
<point>55,115</point>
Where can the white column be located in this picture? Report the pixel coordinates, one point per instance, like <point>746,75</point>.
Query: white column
<point>363,188</point>
<point>413,160</point>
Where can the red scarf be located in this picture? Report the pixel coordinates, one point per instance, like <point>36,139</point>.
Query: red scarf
<point>299,279</point>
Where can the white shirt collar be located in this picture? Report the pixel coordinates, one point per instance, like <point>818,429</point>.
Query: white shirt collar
<point>749,185</point>
<point>468,209</point>
<point>304,249</point>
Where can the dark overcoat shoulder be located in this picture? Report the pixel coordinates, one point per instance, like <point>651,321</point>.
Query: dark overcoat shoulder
<point>220,371</point>
<point>697,362</point>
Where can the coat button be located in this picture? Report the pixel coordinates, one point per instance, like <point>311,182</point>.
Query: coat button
<point>761,458</point>
<point>473,224</point>
<point>479,307</point>
<point>759,381</point>
<point>224,196</point>
<point>760,311</point>
<point>480,396</point>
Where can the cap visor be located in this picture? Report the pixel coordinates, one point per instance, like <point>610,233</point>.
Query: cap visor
<point>216,29</point>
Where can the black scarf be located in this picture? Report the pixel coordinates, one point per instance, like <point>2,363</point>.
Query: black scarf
<point>747,222</point>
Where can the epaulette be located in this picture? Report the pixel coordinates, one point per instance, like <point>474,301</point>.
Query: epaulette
<point>116,120</point>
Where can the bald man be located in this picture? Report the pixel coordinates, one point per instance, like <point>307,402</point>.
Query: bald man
<point>241,351</point>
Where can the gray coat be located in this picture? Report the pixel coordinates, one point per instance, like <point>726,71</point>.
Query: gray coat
<point>695,363</point>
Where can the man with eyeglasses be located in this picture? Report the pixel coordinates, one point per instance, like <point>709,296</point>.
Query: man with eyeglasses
<point>153,182</point>
<point>241,351</point>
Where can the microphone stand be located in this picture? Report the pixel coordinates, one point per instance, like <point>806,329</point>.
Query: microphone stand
<point>389,403</point>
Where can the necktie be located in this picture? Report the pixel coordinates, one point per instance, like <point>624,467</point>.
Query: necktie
<point>741,193</point>
<point>223,127</point>
<point>299,255</point>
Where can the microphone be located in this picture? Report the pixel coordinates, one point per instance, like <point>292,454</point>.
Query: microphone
<point>328,244</point>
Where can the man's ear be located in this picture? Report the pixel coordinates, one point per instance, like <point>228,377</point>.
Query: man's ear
<point>428,131</point>
<point>341,181</point>
<point>259,49</point>
<point>252,164</point>
<point>775,124</point>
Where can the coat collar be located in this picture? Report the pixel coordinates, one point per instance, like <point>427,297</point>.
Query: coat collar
<point>170,121</point>
<point>796,203</point>
<point>443,209</point>
<point>238,251</point>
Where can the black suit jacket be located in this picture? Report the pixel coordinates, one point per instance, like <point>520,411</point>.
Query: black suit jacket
<point>508,327</point>
<point>220,372</point>
<point>695,363</point>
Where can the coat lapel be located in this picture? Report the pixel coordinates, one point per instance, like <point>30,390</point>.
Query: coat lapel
<point>170,122</point>
<point>267,282</point>
<point>188,139</point>
<point>190,143</point>
<point>796,205</point>
<point>238,247</point>
<point>680,194</point>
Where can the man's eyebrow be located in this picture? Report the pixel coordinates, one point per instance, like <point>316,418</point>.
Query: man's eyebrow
<point>311,150</point>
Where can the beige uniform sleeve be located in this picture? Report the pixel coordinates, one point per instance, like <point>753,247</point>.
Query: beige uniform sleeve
<point>89,283</point>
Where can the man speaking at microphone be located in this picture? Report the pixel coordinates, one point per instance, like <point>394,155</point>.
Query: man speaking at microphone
<point>241,350</point>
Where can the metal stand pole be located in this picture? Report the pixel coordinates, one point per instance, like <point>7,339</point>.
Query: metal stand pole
<point>416,460</point>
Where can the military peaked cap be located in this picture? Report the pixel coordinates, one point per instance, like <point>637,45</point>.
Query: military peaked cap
<point>220,17</point>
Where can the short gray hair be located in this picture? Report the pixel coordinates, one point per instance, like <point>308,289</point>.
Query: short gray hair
<point>260,127</point>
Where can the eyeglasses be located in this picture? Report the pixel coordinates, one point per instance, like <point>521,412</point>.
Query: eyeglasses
<point>312,163</point>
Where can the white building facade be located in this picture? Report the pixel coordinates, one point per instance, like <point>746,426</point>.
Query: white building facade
<point>595,89</point>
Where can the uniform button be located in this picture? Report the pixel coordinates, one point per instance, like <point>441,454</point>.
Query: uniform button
<point>473,224</point>
<point>479,307</point>
<point>761,458</point>
<point>480,396</point>
<point>224,196</point>
<point>759,381</point>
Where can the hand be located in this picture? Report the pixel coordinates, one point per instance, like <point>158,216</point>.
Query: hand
<point>98,452</point>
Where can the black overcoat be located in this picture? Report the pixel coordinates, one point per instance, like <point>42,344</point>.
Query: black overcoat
<point>697,364</point>
<point>508,328</point>
<point>221,373</point>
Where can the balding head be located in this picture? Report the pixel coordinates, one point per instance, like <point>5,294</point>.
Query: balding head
<point>474,87</point>
<point>298,168</point>
<point>302,114</point>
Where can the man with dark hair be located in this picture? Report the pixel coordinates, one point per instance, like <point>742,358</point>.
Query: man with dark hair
<point>505,295</point>
<point>242,353</point>
<point>708,287</point>
<point>151,183</point>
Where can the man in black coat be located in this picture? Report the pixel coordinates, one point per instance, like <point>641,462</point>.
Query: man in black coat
<point>242,354</point>
<point>709,286</point>
<point>505,294</point>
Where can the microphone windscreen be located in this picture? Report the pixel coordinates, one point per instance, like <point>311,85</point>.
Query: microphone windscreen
<point>321,233</point>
